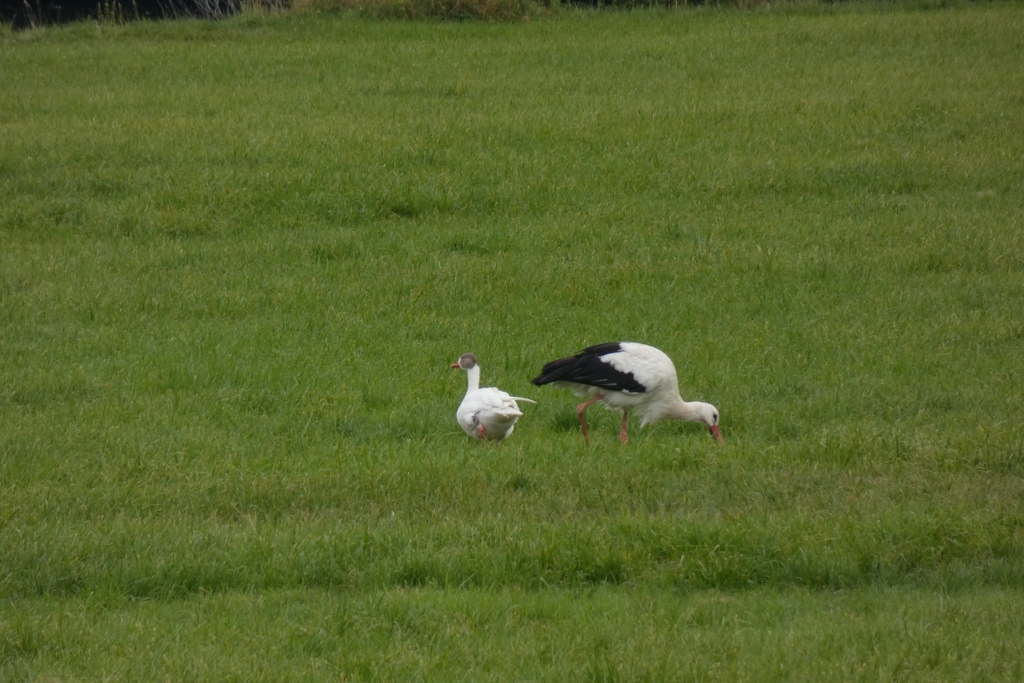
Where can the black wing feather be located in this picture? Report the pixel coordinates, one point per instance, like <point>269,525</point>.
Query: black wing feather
<point>587,367</point>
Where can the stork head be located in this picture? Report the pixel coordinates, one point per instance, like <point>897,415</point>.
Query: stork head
<point>465,362</point>
<point>708,414</point>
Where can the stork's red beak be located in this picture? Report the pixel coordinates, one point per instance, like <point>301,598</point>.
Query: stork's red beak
<point>717,433</point>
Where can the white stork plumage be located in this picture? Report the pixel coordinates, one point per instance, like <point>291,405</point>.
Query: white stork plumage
<point>627,376</point>
<point>487,413</point>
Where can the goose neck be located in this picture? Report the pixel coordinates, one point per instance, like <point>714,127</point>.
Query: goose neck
<point>473,376</point>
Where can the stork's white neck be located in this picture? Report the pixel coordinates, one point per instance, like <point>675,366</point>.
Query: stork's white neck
<point>473,375</point>
<point>678,409</point>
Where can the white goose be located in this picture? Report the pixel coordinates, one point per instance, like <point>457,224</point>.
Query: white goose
<point>627,376</point>
<point>487,413</point>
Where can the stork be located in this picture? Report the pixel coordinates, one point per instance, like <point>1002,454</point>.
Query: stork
<point>627,376</point>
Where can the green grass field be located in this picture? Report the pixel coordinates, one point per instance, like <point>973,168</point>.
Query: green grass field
<point>238,258</point>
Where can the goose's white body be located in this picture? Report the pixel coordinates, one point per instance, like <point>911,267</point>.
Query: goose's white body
<point>627,376</point>
<point>488,413</point>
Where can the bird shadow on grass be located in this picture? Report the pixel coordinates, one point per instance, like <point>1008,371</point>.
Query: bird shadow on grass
<point>566,422</point>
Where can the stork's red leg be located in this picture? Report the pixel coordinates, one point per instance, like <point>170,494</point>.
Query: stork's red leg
<point>624,435</point>
<point>579,413</point>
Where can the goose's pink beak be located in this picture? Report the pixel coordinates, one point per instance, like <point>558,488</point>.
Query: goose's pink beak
<point>455,364</point>
<point>717,433</point>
